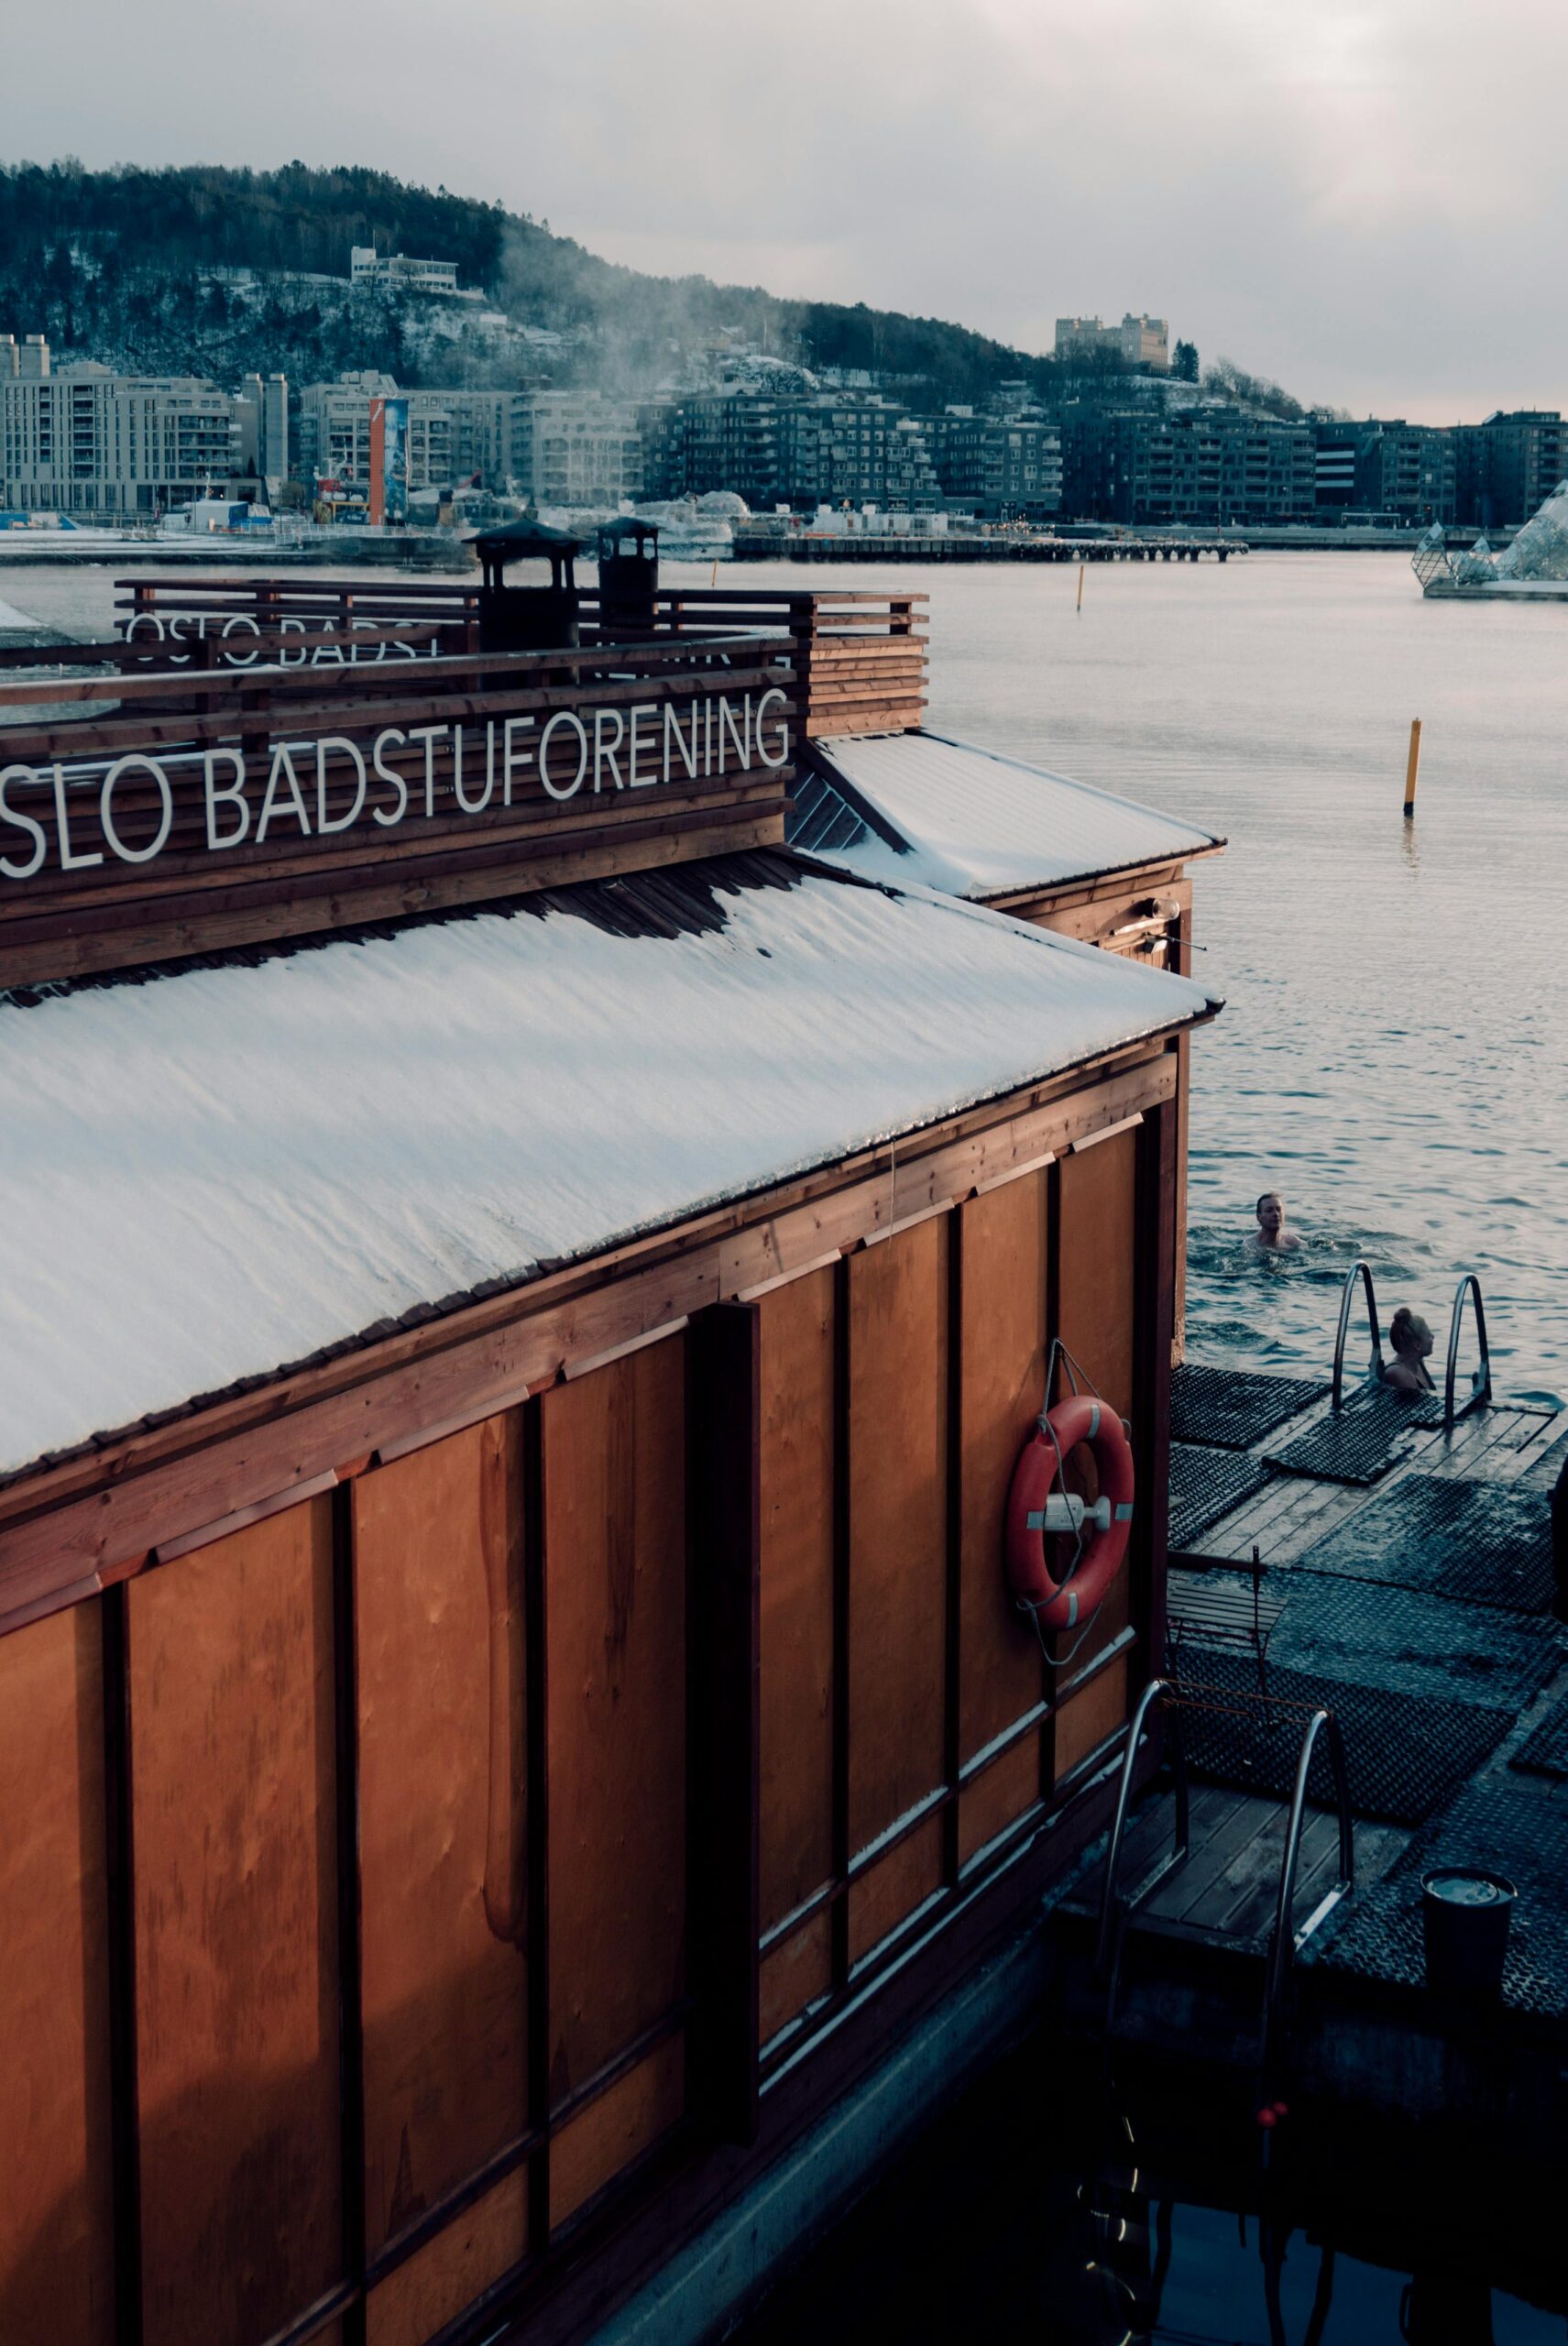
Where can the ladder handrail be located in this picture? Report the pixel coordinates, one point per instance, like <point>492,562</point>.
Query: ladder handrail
<point>1377,1362</point>
<point>1286,1940</point>
<point>1481,1378</point>
<point>1108,1904</point>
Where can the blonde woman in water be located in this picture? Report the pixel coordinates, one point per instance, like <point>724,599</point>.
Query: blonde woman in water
<point>1412,1342</point>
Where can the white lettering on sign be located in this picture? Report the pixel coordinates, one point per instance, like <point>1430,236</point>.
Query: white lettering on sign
<point>563,717</point>
<point>136,807</point>
<point>34,830</point>
<point>185,626</point>
<point>106,809</point>
<point>234,795</point>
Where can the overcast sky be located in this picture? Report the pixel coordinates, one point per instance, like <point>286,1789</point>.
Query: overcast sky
<point>1368,203</point>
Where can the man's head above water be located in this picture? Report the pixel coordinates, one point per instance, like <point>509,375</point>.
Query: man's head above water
<point>1271,1232</point>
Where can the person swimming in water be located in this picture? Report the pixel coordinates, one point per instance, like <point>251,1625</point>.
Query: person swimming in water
<point>1412,1341</point>
<point>1271,1237</point>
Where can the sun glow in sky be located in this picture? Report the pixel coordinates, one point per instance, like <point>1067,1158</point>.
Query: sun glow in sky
<point>1367,201</point>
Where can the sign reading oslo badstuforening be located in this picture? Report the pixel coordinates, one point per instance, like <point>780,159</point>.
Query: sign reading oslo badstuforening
<point>134,808</point>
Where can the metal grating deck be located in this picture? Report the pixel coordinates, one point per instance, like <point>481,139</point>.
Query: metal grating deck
<point>1499,1823</point>
<point>1407,1642</point>
<point>1207,1484</point>
<point>1544,1751</point>
<point>1229,1408</point>
<point>1487,1542</point>
<point>1406,1753</point>
<point>1359,1443</point>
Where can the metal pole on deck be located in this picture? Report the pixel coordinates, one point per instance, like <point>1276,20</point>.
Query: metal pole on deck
<point>1412,767</point>
<point>1080,585</point>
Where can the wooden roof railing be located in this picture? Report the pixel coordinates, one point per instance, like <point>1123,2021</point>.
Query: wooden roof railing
<point>187,811</point>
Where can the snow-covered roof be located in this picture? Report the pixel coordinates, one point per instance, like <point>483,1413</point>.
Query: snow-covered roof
<point>916,807</point>
<point>216,1170</point>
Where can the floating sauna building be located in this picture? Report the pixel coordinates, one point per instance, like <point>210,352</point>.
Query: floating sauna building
<point>520,1294</point>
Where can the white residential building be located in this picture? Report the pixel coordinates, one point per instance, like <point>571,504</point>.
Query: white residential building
<point>1141,341</point>
<point>30,359</point>
<point>577,448</point>
<point>85,440</point>
<point>399,271</point>
<point>263,416</point>
<point>452,437</point>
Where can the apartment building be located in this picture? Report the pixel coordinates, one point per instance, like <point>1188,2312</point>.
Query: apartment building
<point>1000,468</point>
<point>838,451</point>
<point>575,448</point>
<point>804,450</point>
<point>399,273</point>
<point>86,441</point>
<point>263,420</point>
<point>1208,466</point>
<point>1508,465</point>
<point>719,440</point>
<point>453,436</point>
<point>1140,341</point>
<point>1385,466</point>
<point>29,359</point>
<point>335,428</point>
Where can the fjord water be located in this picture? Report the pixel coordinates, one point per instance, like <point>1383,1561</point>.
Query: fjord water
<point>1393,1056</point>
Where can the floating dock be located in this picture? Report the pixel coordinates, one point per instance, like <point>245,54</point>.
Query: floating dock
<point>1390,1564</point>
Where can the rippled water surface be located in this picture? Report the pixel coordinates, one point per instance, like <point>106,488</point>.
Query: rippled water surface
<point>1393,1052</point>
<point>1043,2211</point>
<point>1393,1056</point>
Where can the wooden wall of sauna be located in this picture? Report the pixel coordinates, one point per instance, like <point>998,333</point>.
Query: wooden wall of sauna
<point>387,1883</point>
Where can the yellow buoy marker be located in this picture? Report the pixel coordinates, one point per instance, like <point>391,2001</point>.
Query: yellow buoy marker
<point>1412,767</point>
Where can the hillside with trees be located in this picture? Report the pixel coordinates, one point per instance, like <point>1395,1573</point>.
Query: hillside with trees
<point>144,269</point>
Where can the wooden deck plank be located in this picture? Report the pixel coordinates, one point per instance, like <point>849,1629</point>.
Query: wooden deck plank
<point>1183,1897</point>
<point>1242,1903</point>
<point>1294,1520</point>
<point>1152,1828</point>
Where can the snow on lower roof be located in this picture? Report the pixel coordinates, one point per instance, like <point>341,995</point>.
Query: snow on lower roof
<point>971,822</point>
<point>224,1168</point>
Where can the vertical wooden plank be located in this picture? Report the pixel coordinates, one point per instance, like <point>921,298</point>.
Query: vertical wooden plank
<point>438,1578</point>
<point>897,1482</point>
<point>1006,1788</point>
<point>1087,1719</point>
<point>891,1889</point>
<point>1097,1259</point>
<point>1098,1254</point>
<point>231,1673</point>
<point>1002,1342</point>
<point>536,1820</point>
<point>120,1933</point>
<point>615,1555</point>
<point>56,2209</point>
<point>796,1504</point>
<point>345,1847</point>
<point>1160,1263</point>
<point>449,2272</point>
<point>795,1974</point>
<point>617,2128</point>
<point>838,1918</point>
<point>724,1417</point>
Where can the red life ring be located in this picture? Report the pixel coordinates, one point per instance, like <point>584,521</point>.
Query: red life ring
<point>1033,1519</point>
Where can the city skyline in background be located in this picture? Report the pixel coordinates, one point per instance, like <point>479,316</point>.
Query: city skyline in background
<point>1362,202</point>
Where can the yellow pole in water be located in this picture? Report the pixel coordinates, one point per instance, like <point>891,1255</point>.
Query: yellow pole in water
<point>1412,766</point>
<point>1080,585</point>
<point>714,580</point>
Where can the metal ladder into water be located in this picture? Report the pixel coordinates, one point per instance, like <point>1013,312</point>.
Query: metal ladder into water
<point>1119,1911</point>
<point>1480,1376</point>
